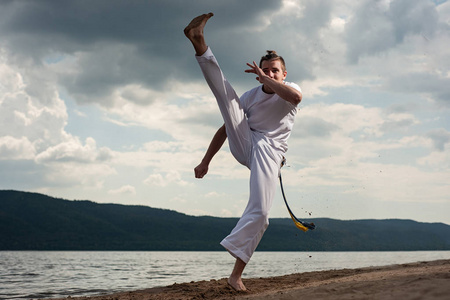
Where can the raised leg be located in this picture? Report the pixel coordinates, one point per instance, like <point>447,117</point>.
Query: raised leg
<point>238,131</point>
<point>194,32</point>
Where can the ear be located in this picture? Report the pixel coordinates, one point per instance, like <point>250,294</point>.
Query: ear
<point>284,75</point>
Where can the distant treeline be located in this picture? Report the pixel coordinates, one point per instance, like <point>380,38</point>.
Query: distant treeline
<point>31,221</point>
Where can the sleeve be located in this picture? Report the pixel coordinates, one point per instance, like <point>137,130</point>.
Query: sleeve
<point>244,102</point>
<point>293,85</point>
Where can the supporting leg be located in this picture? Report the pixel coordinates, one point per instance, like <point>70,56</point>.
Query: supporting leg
<point>235,280</point>
<point>246,235</point>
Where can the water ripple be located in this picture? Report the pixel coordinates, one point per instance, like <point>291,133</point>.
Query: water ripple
<point>42,274</point>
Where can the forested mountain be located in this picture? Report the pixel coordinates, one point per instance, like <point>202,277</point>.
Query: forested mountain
<point>31,221</point>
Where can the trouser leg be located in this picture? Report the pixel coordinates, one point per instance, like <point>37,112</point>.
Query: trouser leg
<point>250,228</point>
<point>238,131</point>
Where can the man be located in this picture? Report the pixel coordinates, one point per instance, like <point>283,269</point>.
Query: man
<point>257,126</point>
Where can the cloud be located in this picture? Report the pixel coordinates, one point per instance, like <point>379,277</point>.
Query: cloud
<point>76,77</point>
<point>74,175</point>
<point>436,85</point>
<point>338,141</point>
<point>16,149</point>
<point>74,151</point>
<point>439,161</point>
<point>105,45</point>
<point>26,112</point>
<point>440,138</point>
<point>123,190</point>
<point>398,122</point>
<point>163,180</point>
<point>320,120</point>
<point>32,119</point>
<point>378,26</point>
<point>313,126</point>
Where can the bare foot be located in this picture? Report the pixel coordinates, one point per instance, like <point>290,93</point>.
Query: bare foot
<point>194,32</point>
<point>195,28</point>
<point>237,284</point>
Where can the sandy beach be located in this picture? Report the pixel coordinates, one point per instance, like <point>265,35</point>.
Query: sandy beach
<point>422,280</point>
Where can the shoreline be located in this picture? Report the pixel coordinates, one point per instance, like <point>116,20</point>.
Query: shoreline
<point>418,280</point>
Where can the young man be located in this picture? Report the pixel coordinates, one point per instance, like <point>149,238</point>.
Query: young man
<point>257,125</point>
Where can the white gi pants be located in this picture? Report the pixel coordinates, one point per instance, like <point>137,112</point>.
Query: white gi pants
<point>251,149</point>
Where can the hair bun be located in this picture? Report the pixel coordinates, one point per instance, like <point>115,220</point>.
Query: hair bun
<point>272,54</point>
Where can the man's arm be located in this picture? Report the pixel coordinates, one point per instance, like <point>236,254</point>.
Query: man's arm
<point>272,86</point>
<point>284,91</point>
<point>214,147</point>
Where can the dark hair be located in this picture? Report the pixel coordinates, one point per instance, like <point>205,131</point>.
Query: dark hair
<point>272,55</point>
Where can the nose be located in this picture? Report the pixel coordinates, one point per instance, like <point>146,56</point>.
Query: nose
<point>270,74</point>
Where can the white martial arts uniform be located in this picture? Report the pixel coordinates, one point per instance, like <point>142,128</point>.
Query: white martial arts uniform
<point>258,126</point>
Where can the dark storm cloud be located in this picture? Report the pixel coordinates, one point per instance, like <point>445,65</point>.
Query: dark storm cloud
<point>117,42</point>
<point>136,22</point>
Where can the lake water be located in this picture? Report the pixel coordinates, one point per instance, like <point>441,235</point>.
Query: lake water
<point>50,274</point>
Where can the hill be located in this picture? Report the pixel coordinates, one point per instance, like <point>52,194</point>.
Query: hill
<point>31,221</point>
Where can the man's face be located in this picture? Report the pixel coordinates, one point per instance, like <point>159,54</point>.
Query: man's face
<point>274,69</point>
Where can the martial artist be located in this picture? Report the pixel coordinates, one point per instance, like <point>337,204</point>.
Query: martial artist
<point>257,125</point>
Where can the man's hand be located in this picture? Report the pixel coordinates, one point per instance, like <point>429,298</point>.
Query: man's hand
<point>201,170</point>
<point>256,70</point>
<point>215,145</point>
<point>272,78</point>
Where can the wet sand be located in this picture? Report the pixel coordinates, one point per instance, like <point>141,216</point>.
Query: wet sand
<point>422,280</point>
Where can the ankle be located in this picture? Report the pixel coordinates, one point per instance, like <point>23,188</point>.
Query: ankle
<point>237,284</point>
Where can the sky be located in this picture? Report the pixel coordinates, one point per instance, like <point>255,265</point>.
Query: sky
<point>104,101</point>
